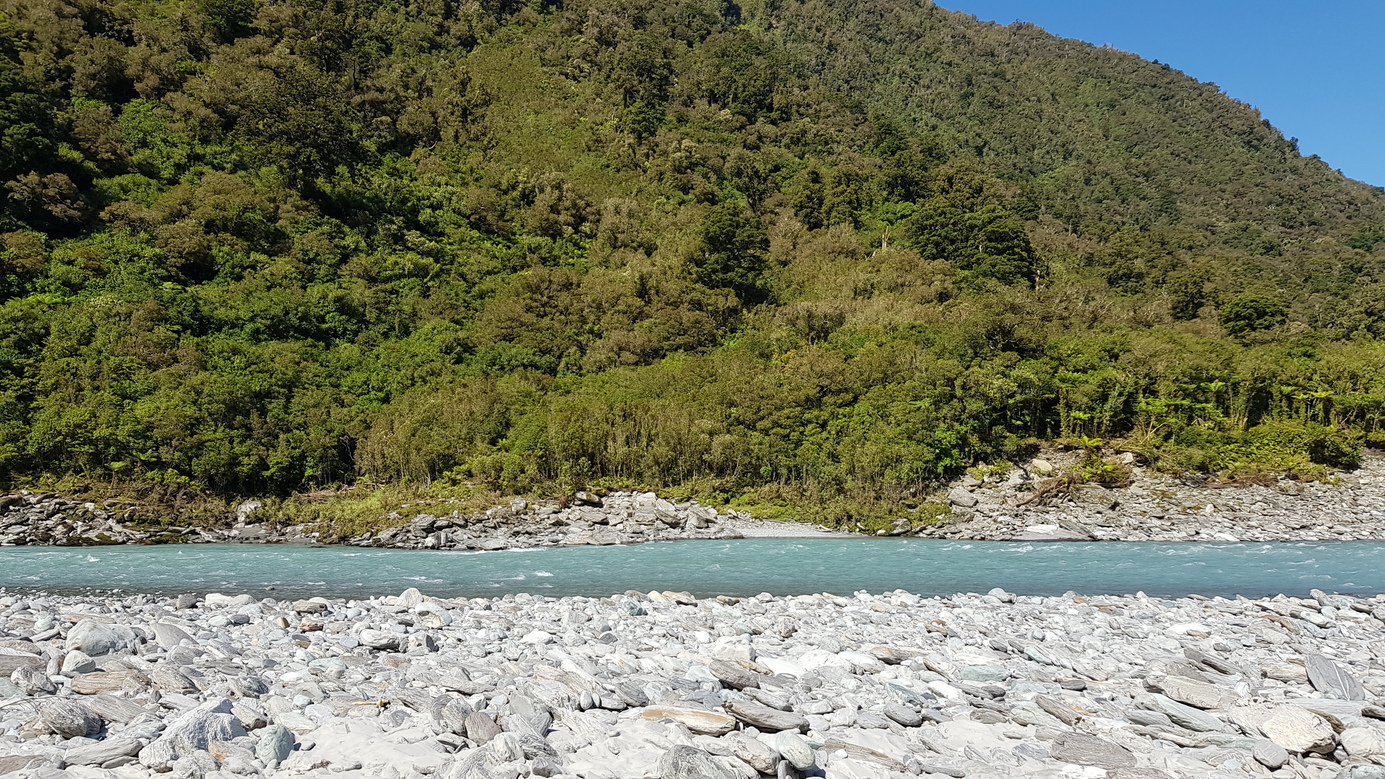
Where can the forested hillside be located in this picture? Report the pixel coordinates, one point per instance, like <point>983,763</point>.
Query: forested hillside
<point>825,248</point>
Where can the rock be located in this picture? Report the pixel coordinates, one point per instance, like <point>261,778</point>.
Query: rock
<point>192,732</point>
<point>685,762</point>
<point>904,715</point>
<point>10,661</point>
<point>765,718</point>
<point>308,607</point>
<point>960,497</point>
<point>481,728</point>
<point>696,720</point>
<point>380,639</point>
<point>185,601</point>
<point>792,748</point>
<point>1084,749</point>
<point>109,681</point>
<point>1331,679</point>
<point>754,753</point>
<point>1362,772</point>
<point>1299,731</point>
<point>216,600</point>
<point>1042,467</point>
<point>32,681</point>
<point>102,751</point>
<point>1183,715</point>
<point>409,598</point>
<point>1269,754</point>
<point>168,636</point>
<point>1363,742</point>
<point>732,675</point>
<point>69,718</point>
<point>432,615</point>
<point>1196,693</point>
<point>275,745</point>
<point>77,663</point>
<point>97,639</point>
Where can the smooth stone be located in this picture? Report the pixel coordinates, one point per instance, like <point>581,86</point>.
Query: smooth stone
<point>76,663</point>
<point>275,744</point>
<point>1181,714</point>
<point>69,718</point>
<point>169,636</point>
<point>1330,678</point>
<point>97,639</point>
<point>792,747</point>
<point>696,720</point>
<point>1269,754</point>
<point>102,751</point>
<point>1195,693</point>
<point>1363,742</point>
<point>1299,730</point>
<point>764,717</point>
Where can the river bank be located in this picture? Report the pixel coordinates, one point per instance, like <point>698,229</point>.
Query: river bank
<point>1030,502</point>
<point>665,685</point>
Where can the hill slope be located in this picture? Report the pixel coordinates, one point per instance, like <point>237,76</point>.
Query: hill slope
<point>815,250</point>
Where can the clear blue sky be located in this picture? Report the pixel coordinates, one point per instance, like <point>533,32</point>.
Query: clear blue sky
<point>1314,68</point>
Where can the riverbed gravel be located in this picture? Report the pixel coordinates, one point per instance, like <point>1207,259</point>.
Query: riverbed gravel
<point>667,686</point>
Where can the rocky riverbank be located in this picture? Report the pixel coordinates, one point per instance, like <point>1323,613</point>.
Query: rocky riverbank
<point>665,685</point>
<point>37,519</point>
<point>1030,503</point>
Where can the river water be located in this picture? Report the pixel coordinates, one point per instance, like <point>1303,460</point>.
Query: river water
<point>739,567</point>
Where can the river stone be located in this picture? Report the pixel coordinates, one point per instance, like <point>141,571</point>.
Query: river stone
<point>109,681</point>
<point>216,600</point>
<point>169,636</point>
<point>732,675</point>
<point>480,727</point>
<point>409,598</point>
<point>1362,772</point>
<point>708,723</point>
<point>983,673</point>
<point>10,661</point>
<point>960,497</point>
<point>32,681</point>
<point>904,715</point>
<point>685,762</point>
<point>432,615</point>
<point>1269,754</point>
<point>792,747</point>
<point>192,732</point>
<point>77,663</point>
<point>275,745</point>
<point>1299,730</point>
<point>1330,678</point>
<point>98,639</point>
<point>1084,749</point>
<point>1195,693</point>
<point>765,718</point>
<point>754,753</point>
<point>1185,716</point>
<point>1363,742</point>
<point>379,639</point>
<point>102,751</point>
<point>69,718</point>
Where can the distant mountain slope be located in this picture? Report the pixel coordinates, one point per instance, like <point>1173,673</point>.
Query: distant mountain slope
<point>822,253</point>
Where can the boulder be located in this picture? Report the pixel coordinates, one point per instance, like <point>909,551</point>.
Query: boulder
<point>168,636</point>
<point>1363,742</point>
<point>192,732</point>
<point>275,745</point>
<point>792,747</point>
<point>98,639</point>
<point>1331,679</point>
<point>1299,730</point>
<point>962,498</point>
<point>69,718</point>
<point>765,718</point>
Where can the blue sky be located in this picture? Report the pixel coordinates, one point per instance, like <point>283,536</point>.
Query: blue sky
<point>1316,70</point>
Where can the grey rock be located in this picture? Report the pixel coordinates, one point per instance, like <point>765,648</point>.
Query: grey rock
<point>275,744</point>
<point>481,728</point>
<point>765,718</point>
<point>960,497</point>
<point>102,751</point>
<point>1299,730</point>
<point>904,715</point>
<point>76,663</point>
<point>1330,678</point>
<point>191,732</point>
<point>792,747</point>
<point>69,718</point>
<point>732,675</point>
<point>1181,714</point>
<point>685,762</point>
<point>1084,749</point>
<point>169,636</point>
<point>32,681</point>
<point>1269,754</point>
<point>98,639</point>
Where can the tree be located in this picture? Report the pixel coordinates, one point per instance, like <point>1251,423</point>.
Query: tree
<point>731,252</point>
<point>1251,312</point>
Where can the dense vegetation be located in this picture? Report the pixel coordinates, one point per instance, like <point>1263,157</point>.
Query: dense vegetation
<point>832,247</point>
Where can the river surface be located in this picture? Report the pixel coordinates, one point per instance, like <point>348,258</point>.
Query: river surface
<point>705,568</point>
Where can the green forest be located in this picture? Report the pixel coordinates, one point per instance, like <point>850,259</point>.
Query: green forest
<point>793,250</point>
